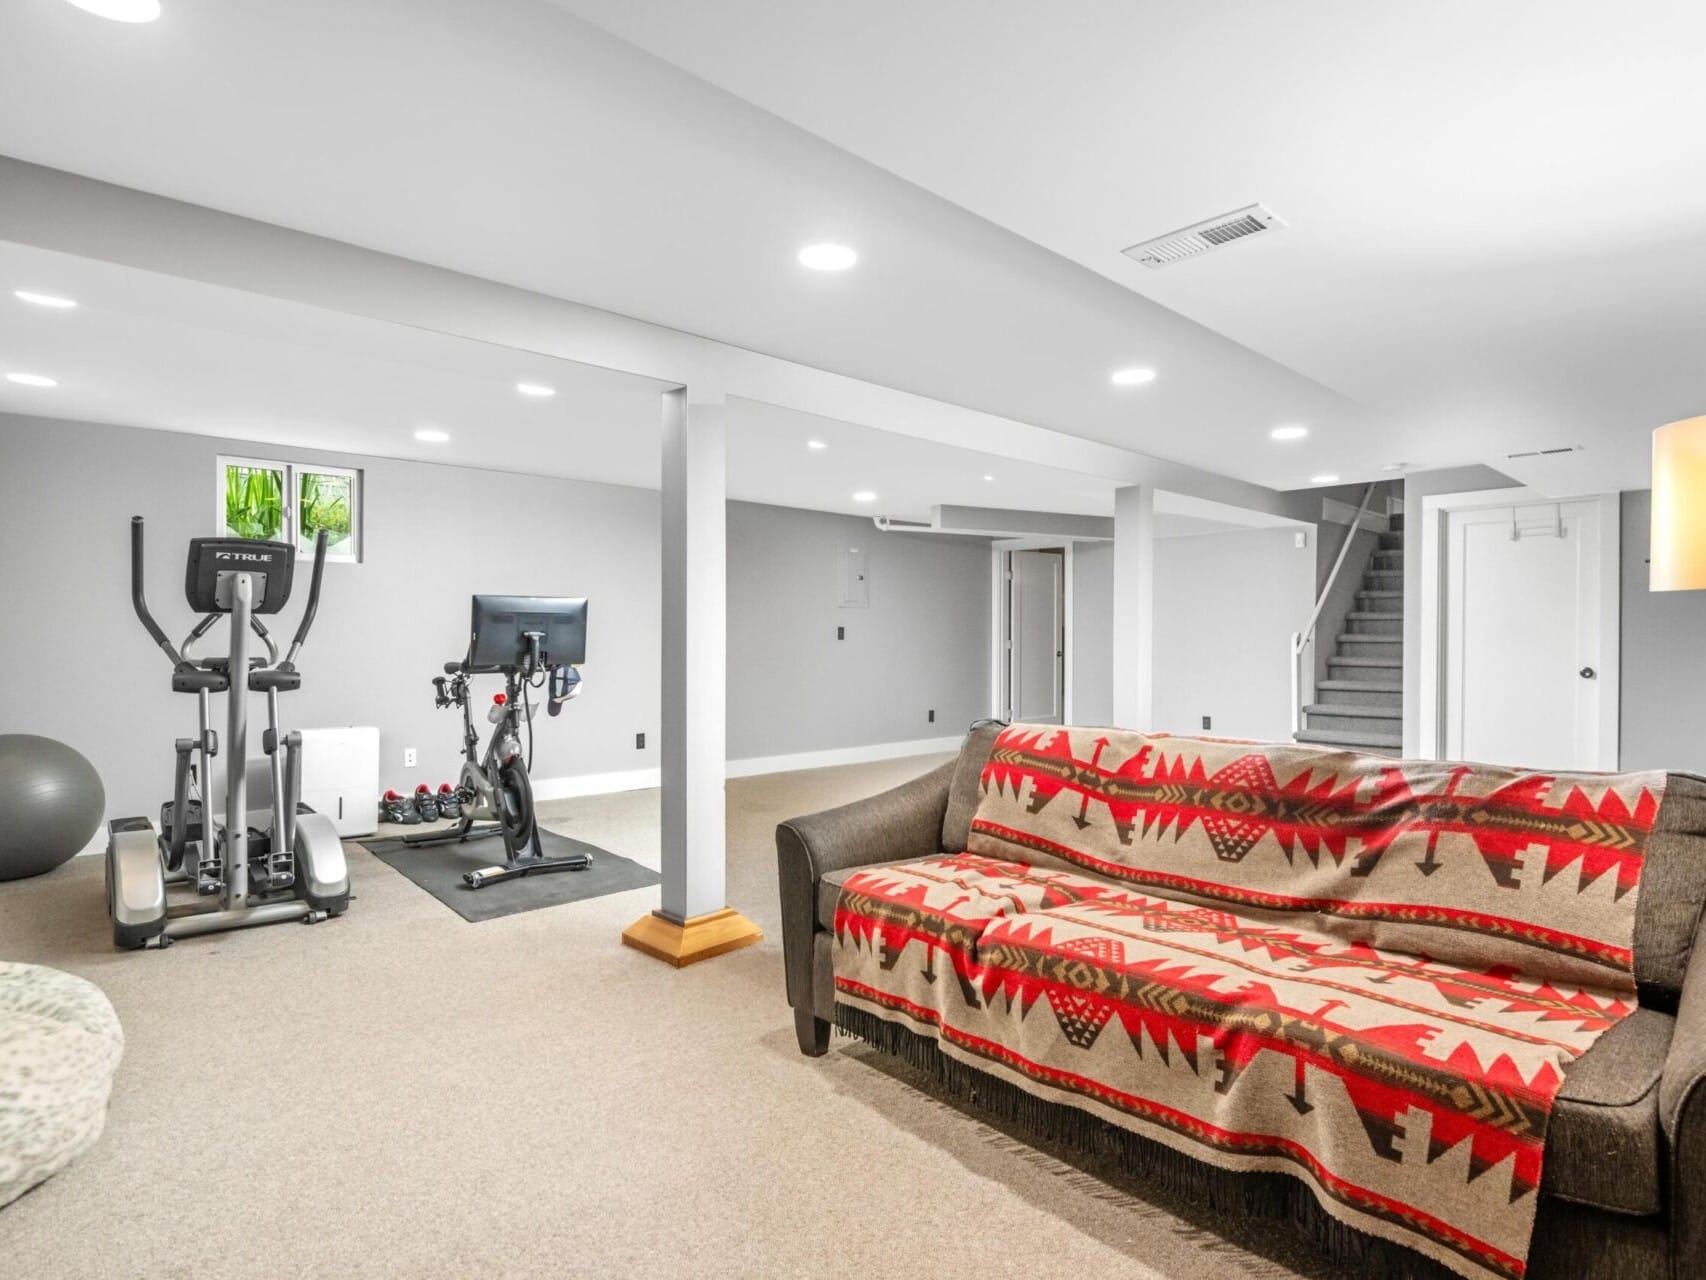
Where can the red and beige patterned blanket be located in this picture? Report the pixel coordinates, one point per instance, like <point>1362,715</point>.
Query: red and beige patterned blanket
<point>1366,973</point>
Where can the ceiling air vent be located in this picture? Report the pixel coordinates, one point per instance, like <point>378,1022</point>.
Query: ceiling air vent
<point>1190,242</point>
<point>1546,453</point>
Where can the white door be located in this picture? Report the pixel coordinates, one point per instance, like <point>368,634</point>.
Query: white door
<point>1036,613</point>
<point>1525,648</point>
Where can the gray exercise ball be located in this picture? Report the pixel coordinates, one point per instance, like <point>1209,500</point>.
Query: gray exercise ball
<point>51,804</point>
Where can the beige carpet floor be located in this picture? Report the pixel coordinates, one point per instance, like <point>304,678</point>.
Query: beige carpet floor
<point>402,1093</point>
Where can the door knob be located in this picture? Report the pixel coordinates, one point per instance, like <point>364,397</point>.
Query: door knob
<point>1588,673</point>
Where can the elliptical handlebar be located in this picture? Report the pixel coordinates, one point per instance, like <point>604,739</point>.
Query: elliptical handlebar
<point>313,600</point>
<point>139,600</point>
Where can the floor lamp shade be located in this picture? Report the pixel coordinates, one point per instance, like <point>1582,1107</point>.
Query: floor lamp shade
<point>1679,507</point>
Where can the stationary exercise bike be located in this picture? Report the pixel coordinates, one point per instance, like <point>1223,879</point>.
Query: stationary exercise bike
<point>533,642</point>
<point>290,866</point>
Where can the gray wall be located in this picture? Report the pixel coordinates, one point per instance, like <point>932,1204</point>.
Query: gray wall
<point>386,626</point>
<point>922,643</point>
<point>1663,677</point>
<point>1093,633</point>
<point>1226,605</point>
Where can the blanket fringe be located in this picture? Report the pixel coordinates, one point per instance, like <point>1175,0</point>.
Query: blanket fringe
<point>1253,1195</point>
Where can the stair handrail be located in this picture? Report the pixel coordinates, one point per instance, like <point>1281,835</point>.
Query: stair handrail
<point>1301,640</point>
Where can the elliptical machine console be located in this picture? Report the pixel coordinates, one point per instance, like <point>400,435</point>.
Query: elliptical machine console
<point>291,865</point>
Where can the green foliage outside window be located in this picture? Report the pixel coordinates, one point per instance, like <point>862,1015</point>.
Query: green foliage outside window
<point>284,502</point>
<point>324,502</point>
<point>254,502</point>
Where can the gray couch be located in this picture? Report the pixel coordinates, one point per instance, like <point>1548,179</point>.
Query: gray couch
<point>1624,1182</point>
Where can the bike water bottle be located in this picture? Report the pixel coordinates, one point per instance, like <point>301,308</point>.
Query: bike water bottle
<point>496,712</point>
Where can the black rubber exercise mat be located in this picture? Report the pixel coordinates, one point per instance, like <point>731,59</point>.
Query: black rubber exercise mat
<point>438,869</point>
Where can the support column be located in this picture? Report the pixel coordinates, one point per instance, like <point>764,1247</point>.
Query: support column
<point>1134,607</point>
<point>693,922</point>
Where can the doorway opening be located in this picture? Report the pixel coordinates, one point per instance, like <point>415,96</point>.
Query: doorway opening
<point>1033,621</point>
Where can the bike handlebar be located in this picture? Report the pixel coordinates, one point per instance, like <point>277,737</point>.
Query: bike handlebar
<point>139,601</point>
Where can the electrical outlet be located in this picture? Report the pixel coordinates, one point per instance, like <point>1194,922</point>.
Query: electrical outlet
<point>639,742</point>
<point>932,715</point>
<point>1208,722</point>
<point>409,757</point>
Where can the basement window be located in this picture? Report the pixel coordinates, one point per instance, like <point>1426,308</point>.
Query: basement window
<point>290,502</point>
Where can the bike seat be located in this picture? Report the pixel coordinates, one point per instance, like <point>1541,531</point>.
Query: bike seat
<point>274,678</point>
<point>452,668</point>
<point>195,679</point>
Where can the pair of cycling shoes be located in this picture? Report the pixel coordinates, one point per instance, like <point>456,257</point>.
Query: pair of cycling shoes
<point>425,805</point>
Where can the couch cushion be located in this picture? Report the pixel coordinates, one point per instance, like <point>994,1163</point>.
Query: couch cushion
<point>829,888</point>
<point>954,894</point>
<point>1475,865</point>
<point>1602,1147</point>
<point>1254,1041</point>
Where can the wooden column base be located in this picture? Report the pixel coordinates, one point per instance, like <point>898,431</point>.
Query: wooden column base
<point>698,938</point>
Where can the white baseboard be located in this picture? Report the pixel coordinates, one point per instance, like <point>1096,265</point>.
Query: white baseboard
<point>596,784</point>
<point>600,784</point>
<point>841,755</point>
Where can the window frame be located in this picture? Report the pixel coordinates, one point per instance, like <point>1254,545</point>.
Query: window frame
<point>293,472</point>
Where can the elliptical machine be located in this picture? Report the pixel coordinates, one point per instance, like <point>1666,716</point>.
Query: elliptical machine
<point>291,867</point>
<point>528,640</point>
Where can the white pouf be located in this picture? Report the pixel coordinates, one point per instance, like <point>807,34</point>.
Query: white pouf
<point>60,1043</point>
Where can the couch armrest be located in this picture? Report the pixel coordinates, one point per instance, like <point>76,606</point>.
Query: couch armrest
<point>905,822</point>
<point>1682,1112</point>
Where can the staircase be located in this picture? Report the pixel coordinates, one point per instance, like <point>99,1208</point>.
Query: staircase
<point>1361,702</point>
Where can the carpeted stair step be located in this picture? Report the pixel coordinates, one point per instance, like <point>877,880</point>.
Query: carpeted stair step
<point>1396,523</point>
<point>1392,541</point>
<point>1361,739</point>
<point>1381,561</point>
<point>1339,717</point>
<point>1377,599</point>
<point>1361,693</point>
<point>1375,622</point>
<point>1354,644</point>
<point>1383,580</point>
<point>1394,663</point>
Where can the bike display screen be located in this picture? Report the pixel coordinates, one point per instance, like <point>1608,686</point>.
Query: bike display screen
<point>501,625</point>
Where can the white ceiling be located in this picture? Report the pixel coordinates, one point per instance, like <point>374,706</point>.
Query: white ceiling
<point>155,351</point>
<point>513,141</point>
<point>151,350</point>
<point>1496,210</point>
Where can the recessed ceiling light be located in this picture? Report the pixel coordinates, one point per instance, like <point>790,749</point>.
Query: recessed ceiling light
<point>1323,479</point>
<point>536,389</point>
<point>121,10</point>
<point>431,435</point>
<point>827,257</point>
<point>864,495</point>
<point>30,380</point>
<point>818,445</point>
<point>43,299</point>
<point>1289,433</point>
<point>990,479</point>
<point>1132,377</point>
